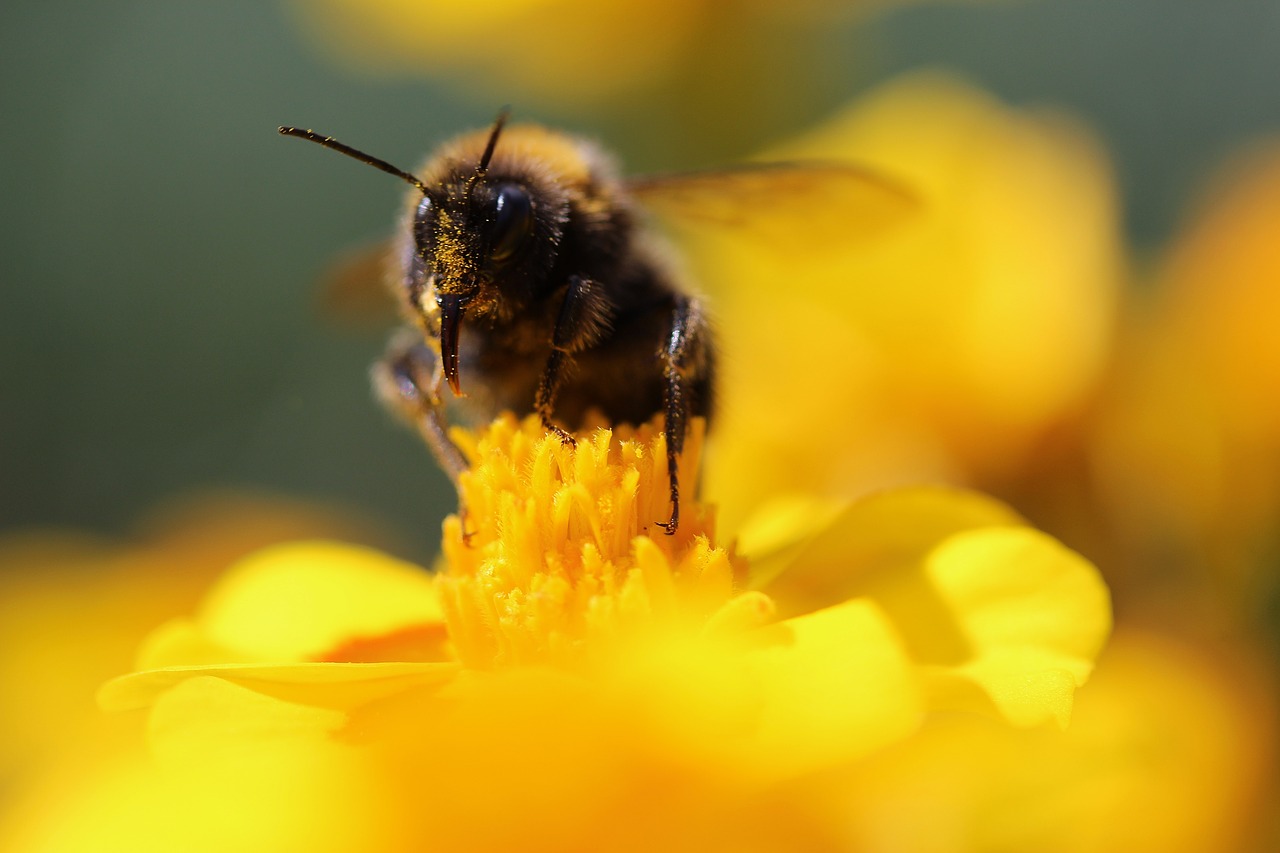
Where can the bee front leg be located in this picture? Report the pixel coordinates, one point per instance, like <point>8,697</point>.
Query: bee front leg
<point>685,359</point>
<point>544,403</point>
<point>584,315</point>
<point>408,381</point>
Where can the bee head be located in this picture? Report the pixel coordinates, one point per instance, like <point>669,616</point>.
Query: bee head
<point>484,228</point>
<point>489,228</point>
<point>486,235</point>
<point>480,249</point>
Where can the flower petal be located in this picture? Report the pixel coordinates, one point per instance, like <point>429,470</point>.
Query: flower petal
<point>836,684</point>
<point>206,711</point>
<point>1170,749</point>
<point>775,702</point>
<point>299,601</point>
<point>885,533</point>
<point>1002,618</point>
<point>323,685</point>
<point>1034,614</point>
<point>230,768</point>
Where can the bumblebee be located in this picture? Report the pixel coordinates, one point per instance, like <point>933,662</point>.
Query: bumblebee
<point>526,274</point>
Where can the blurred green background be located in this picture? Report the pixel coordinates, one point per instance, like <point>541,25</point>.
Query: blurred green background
<point>159,326</point>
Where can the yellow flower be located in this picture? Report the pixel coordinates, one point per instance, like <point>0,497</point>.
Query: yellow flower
<point>948,349</point>
<point>561,46</point>
<point>1187,446</point>
<point>73,610</point>
<point>970,346</point>
<point>1169,751</point>
<point>566,50</point>
<point>573,678</point>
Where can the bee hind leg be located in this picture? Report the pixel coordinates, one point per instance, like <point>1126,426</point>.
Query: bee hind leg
<point>408,381</point>
<point>685,358</point>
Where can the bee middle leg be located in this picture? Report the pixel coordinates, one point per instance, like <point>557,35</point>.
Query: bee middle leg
<point>583,316</point>
<point>408,380</point>
<point>685,357</point>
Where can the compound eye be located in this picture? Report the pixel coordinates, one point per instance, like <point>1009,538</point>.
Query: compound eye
<point>512,222</point>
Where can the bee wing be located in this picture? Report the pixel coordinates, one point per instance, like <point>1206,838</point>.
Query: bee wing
<point>812,204</point>
<point>354,288</point>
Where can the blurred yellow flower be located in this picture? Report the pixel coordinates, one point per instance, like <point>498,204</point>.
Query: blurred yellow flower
<point>79,605</point>
<point>566,50</point>
<point>562,46</point>
<point>947,349</point>
<point>573,678</point>
<point>1187,445</point>
<point>73,611</point>
<point>1169,751</point>
<point>978,346</point>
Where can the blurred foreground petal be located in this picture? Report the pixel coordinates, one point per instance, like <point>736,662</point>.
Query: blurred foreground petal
<point>1169,751</point>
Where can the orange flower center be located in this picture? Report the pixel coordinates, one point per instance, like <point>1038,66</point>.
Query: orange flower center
<point>562,548</point>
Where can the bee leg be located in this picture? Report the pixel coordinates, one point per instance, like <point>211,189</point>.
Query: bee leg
<point>544,401</point>
<point>408,381</point>
<point>683,356</point>
<point>582,319</point>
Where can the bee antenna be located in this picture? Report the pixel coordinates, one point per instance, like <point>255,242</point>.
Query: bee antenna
<point>499,122</point>
<point>330,142</point>
<point>483,166</point>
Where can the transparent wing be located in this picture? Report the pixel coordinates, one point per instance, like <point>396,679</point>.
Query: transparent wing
<point>814,204</point>
<point>353,291</point>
